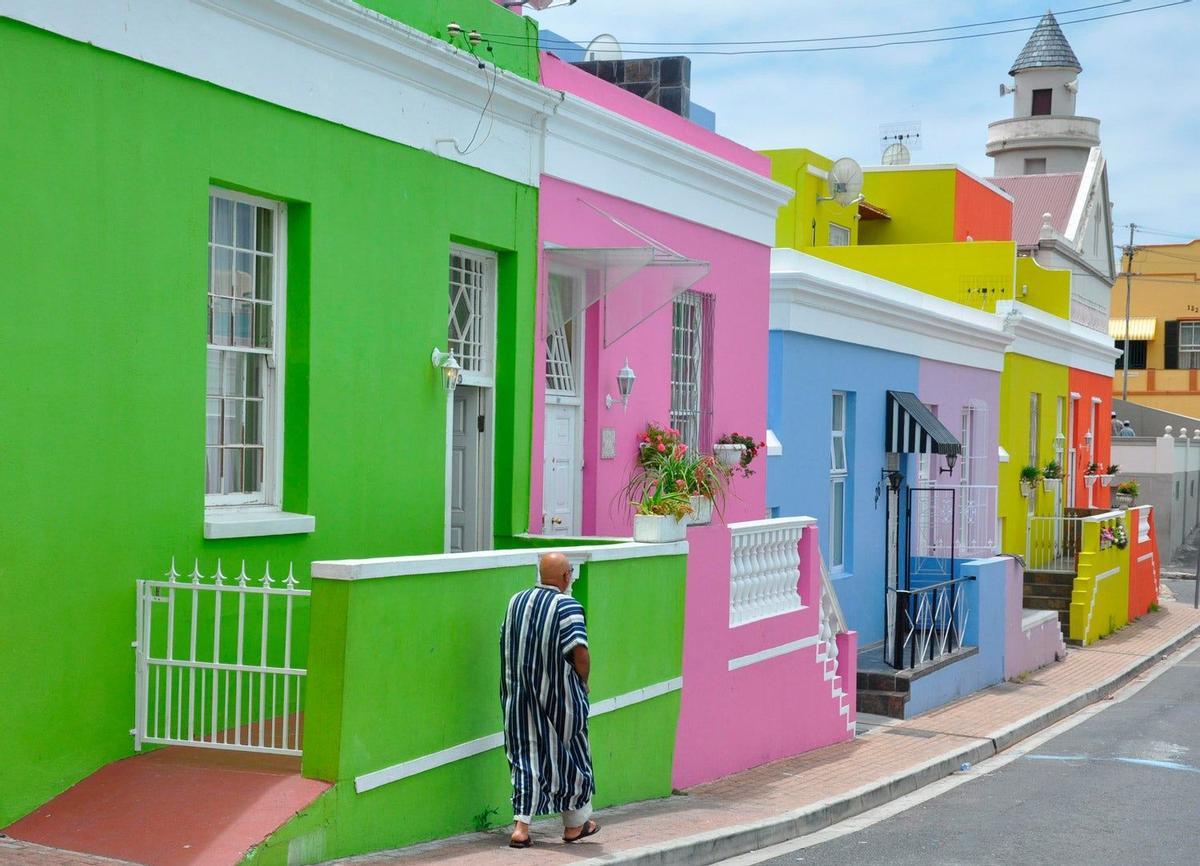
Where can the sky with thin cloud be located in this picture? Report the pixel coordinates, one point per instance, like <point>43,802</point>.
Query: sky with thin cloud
<point>1141,77</point>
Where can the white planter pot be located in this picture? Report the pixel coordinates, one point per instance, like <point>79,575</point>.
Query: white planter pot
<point>702,509</point>
<point>1051,484</point>
<point>656,528</point>
<point>1089,481</point>
<point>1106,480</point>
<point>1027,488</point>
<point>730,456</point>
<point>1123,500</point>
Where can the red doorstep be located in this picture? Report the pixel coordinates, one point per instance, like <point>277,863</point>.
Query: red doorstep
<point>174,807</point>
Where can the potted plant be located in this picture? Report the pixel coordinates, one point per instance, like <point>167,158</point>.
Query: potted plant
<point>1052,476</point>
<point>737,452</point>
<point>1106,479</point>
<point>1030,475</point>
<point>1091,474</point>
<point>679,469</point>
<point>707,480</point>
<point>1127,493</point>
<point>654,441</point>
<point>661,515</point>
<point>1120,536</point>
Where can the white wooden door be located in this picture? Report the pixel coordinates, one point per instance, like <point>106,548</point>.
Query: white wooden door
<point>562,477</point>
<point>466,470</point>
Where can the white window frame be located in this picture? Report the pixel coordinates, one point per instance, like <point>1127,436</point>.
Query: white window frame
<point>270,497</point>
<point>689,418</point>
<point>1035,412</point>
<point>485,377</point>
<point>843,239</point>
<point>838,478</point>
<point>1192,347</point>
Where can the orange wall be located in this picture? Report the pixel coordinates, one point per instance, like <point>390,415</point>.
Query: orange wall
<point>1089,385</point>
<point>1143,569</point>
<point>980,212</point>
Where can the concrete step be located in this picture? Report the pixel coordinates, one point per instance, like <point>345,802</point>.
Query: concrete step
<point>882,681</point>
<point>882,703</point>
<point>1048,590</point>
<point>1057,578</point>
<point>1044,602</point>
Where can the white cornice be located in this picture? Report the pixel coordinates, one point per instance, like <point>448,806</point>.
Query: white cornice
<point>812,296</point>
<point>594,147</point>
<point>331,59</point>
<point>1038,334</point>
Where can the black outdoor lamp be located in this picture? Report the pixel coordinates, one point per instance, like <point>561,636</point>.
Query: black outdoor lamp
<point>951,462</point>
<point>894,478</point>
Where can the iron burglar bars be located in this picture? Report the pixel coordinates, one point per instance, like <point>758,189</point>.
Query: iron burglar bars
<point>214,685</point>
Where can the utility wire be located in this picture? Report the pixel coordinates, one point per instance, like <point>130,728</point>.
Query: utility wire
<point>1160,232</point>
<point>898,42</point>
<point>570,42</point>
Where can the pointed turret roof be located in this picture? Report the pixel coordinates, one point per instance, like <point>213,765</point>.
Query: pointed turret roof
<point>1047,46</point>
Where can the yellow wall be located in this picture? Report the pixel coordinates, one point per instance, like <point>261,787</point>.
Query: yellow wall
<point>919,202</point>
<point>794,228</point>
<point>1100,595</point>
<point>973,274</point>
<point>1048,290</point>
<point>1021,377</point>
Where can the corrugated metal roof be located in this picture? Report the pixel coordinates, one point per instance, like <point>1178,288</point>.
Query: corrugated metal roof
<point>1037,194</point>
<point>1047,46</point>
<point>1140,328</point>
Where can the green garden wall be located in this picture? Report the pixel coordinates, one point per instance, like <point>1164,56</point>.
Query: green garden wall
<point>108,163</point>
<point>406,666</point>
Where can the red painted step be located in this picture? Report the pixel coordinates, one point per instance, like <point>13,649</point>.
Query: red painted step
<point>174,807</point>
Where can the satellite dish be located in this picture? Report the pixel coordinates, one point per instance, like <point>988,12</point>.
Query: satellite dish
<point>603,47</point>
<point>845,181</point>
<point>897,154</point>
<point>538,4</point>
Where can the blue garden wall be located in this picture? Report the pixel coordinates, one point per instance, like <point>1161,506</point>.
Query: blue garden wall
<point>804,372</point>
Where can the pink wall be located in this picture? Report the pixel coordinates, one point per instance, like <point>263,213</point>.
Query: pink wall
<point>733,720</point>
<point>1032,648</point>
<point>561,75</point>
<point>950,387</point>
<point>739,280</point>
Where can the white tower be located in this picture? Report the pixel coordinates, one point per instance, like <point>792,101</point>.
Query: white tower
<point>1044,134</point>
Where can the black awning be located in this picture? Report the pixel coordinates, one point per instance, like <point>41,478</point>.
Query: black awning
<point>912,429</point>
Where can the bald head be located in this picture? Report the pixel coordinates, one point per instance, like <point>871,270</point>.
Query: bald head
<point>554,570</point>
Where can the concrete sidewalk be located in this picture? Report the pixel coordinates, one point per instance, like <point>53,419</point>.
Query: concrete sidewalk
<point>780,801</point>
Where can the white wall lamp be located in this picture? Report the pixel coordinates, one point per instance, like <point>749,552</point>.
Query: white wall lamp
<point>625,380</point>
<point>1088,440</point>
<point>451,369</point>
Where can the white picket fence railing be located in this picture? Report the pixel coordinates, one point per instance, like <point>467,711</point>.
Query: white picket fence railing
<point>764,568</point>
<point>1052,543</point>
<point>221,685</point>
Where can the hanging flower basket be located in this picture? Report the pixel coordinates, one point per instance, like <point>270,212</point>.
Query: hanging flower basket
<point>1106,480</point>
<point>1051,485</point>
<point>1027,488</point>
<point>702,509</point>
<point>1089,481</point>
<point>729,455</point>
<point>657,528</point>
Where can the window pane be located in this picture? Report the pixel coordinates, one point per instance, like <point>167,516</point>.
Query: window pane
<point>243,322</point>
<point>838,454</point>
<point>220,321</point>
<point>212,470</point>
<point>243,277</point>
<point>837,505</point>
<point>262,277</point>
<point>231,470</point>
<point>264,234</point>
<point>245,226</point>
<point>252,470</point>
<point>222,222</point>
<point>212,422</point>
<point>839,412</point>
<point>213,379</point>
<point>262,326</point>
<point>220,281</point>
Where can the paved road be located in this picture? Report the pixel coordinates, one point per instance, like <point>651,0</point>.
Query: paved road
<point>1121,788</point>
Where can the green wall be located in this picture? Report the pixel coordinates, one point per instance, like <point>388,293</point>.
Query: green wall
<point>108,165</point>
<point>514,38</point>
<point>406,666</point>
<point>804,221</point>
<point>919,202</point>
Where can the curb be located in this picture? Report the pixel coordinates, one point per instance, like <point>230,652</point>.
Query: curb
<point>732,841</point>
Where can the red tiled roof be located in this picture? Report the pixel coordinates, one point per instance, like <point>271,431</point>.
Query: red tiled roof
<point>1037,194</point>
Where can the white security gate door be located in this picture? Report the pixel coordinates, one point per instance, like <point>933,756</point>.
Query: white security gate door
<point>466,475</point>
<point>561,477</point>
<point>216,663</point>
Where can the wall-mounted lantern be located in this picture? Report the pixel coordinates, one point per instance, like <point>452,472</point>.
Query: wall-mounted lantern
<point>625,380</point>
<point>451,369</point>
<point>951,461</point>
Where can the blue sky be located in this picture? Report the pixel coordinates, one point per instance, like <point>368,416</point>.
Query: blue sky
<point>1141,77</point>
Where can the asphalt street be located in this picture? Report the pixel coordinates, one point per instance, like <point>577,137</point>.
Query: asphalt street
<point>1123,787</point>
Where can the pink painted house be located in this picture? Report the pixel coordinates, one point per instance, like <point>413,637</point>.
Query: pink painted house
<point>660,265</point>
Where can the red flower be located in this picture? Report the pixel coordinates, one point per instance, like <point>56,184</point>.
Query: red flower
<point>662,447</point>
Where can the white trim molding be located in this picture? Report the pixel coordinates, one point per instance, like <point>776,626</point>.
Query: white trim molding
<point>596,148</point>
<point>773,652</point>
<point>396,772</point>
<point>331,59</point>
<point>1038,334</point>
<point>812,296</point>
<point>443,563</point>
<point>255,522</point>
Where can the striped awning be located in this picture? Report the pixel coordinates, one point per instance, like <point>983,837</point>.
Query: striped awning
<point>1140,328</point>
<point>912,429</point>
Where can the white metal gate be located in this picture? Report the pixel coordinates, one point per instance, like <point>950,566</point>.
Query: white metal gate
<point>215,662</point>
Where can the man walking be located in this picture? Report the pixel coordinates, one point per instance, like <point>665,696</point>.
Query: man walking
<point>1116,425</point>
<point>1126,430</point>
<point>544,667</point>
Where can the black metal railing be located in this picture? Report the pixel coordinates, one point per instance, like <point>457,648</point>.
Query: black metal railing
<point>926,623</point>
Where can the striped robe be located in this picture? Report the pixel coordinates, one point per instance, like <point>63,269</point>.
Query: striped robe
<point>545,703</point>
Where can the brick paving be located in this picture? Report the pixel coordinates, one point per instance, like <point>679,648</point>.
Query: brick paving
<point>835,772</point>
<point>14,853</point>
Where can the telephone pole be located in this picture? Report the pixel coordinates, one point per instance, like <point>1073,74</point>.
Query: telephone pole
<point>1128,293</point>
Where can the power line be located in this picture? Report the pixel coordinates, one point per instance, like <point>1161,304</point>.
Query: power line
<point>898,42</point>
<point>1162,232</point>
<point>570,42</point>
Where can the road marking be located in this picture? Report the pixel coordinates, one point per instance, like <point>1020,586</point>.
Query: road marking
<point>983,768</point>
<point>1143,762</point>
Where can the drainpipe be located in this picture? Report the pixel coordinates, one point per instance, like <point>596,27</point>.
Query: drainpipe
<point>1186,448</point>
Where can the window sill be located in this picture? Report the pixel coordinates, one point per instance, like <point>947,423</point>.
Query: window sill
<point>236,523</point>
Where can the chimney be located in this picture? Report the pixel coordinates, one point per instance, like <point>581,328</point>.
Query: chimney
<point>665,81</point>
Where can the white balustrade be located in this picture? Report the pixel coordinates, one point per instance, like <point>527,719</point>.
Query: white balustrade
<point>764,568</point>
